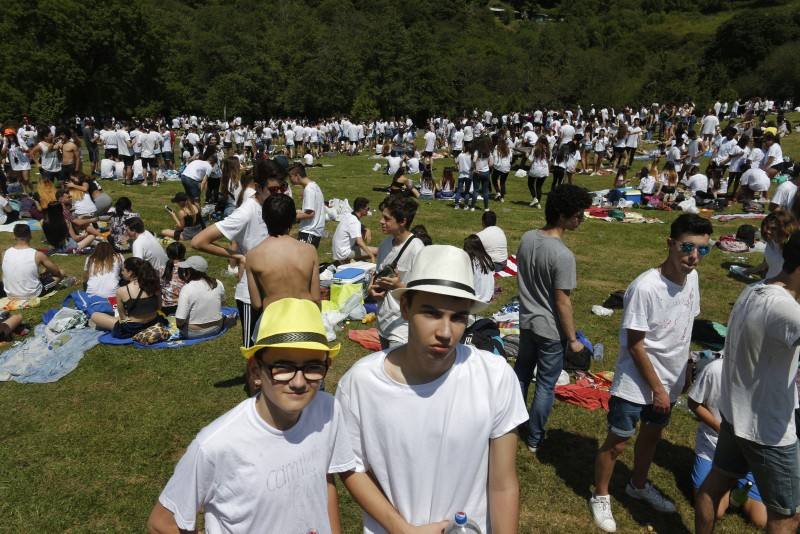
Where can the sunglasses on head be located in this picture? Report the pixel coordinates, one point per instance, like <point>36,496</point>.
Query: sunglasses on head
<point>688,248</point>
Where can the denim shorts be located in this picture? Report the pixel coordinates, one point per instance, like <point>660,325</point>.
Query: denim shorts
<point>775,469</point>
<point>624,414</point>
<point>702,467</point>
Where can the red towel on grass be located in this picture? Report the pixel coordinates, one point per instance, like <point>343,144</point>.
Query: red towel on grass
<point>366,338</point>
<point>589,391</point>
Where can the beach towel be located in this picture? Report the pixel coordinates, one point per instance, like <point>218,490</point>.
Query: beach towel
<point>33,224</point>
<point>590,391</point>
<point>510,269</point>
<point>367,338</point>
<point>43,358</point>
<point>229,314</point>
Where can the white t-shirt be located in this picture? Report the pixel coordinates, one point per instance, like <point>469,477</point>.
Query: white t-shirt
<point>197,170</point>
<point>502,164</point>
<point>103,284</point>
<point>308,160</point>
<point>458,140</point>
<point>697,182</point>
<point>85,205</point>
<point>250,477</point>
<point>705,391</point>
<point>494,241</point>
<point>759,395</point>
<point>107,169</point>
<point>776,153</point>
<point>151,144</point>
<point>123,138</point>
<point>21,273</point>
<point>393,164</point>
<point>464,162</point>
<point>784,195</point>
<point>344,238</point>
<point>431,467</point>
<point>755,179</point>
<point>483,283</point>
<point>773,255</point>
<point>430,141</point>
<point>665,312</point>
<point>710,123</point>
<point>50,160</point>
<point>199,304</point>
<point>313,201</point>
<point>246,227</point>
<point>391,324</point>
<point>148,248</point>
<point>647,185</point>
<point>632,141</point>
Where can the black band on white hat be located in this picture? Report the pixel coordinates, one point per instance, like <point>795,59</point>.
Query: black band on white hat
<point>440,282</point>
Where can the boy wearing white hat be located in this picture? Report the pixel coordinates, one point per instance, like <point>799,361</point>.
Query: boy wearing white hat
<point>433,422</point>
<point>261,467</point>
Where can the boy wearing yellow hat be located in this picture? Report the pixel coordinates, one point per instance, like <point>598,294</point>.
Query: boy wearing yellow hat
<point>261,467</point>
<point>433,422</point>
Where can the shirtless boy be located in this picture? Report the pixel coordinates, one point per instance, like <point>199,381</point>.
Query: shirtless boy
<point>281,266</point>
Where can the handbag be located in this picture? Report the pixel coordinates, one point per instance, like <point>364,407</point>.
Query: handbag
<point>152,334</point>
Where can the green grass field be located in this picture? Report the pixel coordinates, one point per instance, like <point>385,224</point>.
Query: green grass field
<point>91,452</point>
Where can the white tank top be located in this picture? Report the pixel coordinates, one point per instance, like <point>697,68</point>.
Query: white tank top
<point>20,273</point>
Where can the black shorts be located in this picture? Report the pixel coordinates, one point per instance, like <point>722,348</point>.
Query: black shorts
<point>93,152</point>
<point>109,152</point>
<point>149,163</point>
<point>167,155</point>
<point>309,238</point>
<point>127,161</point>
<point>619,150</point>
<point>66,170</point>
<point>426,154</point>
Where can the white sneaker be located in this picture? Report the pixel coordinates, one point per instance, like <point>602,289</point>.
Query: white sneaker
<point>534,203</point>
<point>601,512</point>
<point>487,209</point>
<point>472,209</point>
<point>651,496</point>
<point>457,207</point>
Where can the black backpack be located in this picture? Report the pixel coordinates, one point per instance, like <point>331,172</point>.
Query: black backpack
<point>485,335</point>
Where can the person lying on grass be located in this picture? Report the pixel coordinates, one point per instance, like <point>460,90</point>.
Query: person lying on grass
<point>261,467</point>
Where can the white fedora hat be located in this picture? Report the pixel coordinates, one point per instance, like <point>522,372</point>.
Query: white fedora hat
<point>444,270</point>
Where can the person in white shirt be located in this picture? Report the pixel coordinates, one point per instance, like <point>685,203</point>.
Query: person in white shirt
<point>150,142</point>
<point>125,152</point>
<point>774,157</point>
<point>351,239</point>
<point>21,262</point>
<point>396,255</point>
<point>430,142</point>
<point>199,312</point>
<point>696,183</point>
<point>102,271</point>
<point>708,127</point>
<point>494,240</point>
<point>464,182</point>
<point>785,194</point>
<point>410,475</point>
<point>312,214</point>
<point>632,140</point>
<point>758,398</point>
<point>194,177</point>
<point>659,310</point>
<point>268,464</point>
<point>458,141</point>
<point>501,160</point>
<point>754,183</point>
<point>483,268</point>
<point>145,245</point>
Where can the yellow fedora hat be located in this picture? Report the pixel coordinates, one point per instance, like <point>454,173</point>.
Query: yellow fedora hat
<point>292,324</point>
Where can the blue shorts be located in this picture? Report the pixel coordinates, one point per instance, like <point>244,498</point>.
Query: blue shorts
<point>702,468</point>
<point>623,415</point>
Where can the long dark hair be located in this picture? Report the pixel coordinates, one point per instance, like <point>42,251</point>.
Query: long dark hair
<point>473,246</point>
<point>145,275</point>
<point>175,251</point>
<point>54,226</point>
<point>189,275</point>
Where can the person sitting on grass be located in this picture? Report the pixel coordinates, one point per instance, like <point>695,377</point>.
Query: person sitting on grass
<point>351,238</point>
<point>138,302</point>
<point>704,403</point>
<point>188,220</point>
<point>21,262</point>
<point>237,469</point>
<point>482,268</point>
<point>11,325</point>
<point>171,282</point>
<point>101,271</point>
<point>775,230</point>
<point>199,312</point>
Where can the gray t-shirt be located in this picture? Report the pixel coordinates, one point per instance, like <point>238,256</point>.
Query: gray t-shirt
<point>544,264</point>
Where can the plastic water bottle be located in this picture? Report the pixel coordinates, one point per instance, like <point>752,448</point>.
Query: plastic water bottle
<point>461,524</point>
<point>599,352</point>
<point>739,495</point>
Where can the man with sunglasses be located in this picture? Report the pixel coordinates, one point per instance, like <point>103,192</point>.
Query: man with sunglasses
<point>261,467</point>
<point>659,310</point>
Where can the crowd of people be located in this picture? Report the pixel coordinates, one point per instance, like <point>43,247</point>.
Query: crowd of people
<point>272,459</point>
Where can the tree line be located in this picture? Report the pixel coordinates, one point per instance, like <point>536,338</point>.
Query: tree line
<point>259,58</point>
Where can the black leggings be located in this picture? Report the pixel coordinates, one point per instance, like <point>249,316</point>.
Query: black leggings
<point>558,177</point>
<point>499,181</point>
<point>535,186</point>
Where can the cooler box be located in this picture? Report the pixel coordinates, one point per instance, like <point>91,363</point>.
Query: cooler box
<point>634,195</point>
<point>350,275</point>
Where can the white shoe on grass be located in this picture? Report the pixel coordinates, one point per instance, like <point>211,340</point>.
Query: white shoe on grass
<point>651,496</point>
<point>601,513</point>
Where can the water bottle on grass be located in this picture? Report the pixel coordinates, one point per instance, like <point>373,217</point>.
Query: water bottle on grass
<point>461,524</point>
<point>599,352</point>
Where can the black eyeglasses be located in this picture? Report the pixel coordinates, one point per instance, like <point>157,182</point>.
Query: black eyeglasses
<point>285,372</point>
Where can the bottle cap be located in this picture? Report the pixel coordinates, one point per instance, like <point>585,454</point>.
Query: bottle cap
<point>461,518</point>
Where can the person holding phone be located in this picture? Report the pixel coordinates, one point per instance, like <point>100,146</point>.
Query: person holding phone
<point>396,255</point>
<point>188,220</point>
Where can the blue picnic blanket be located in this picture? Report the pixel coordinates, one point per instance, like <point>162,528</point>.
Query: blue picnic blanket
<point>43,358</point>
<point>229,314</point>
